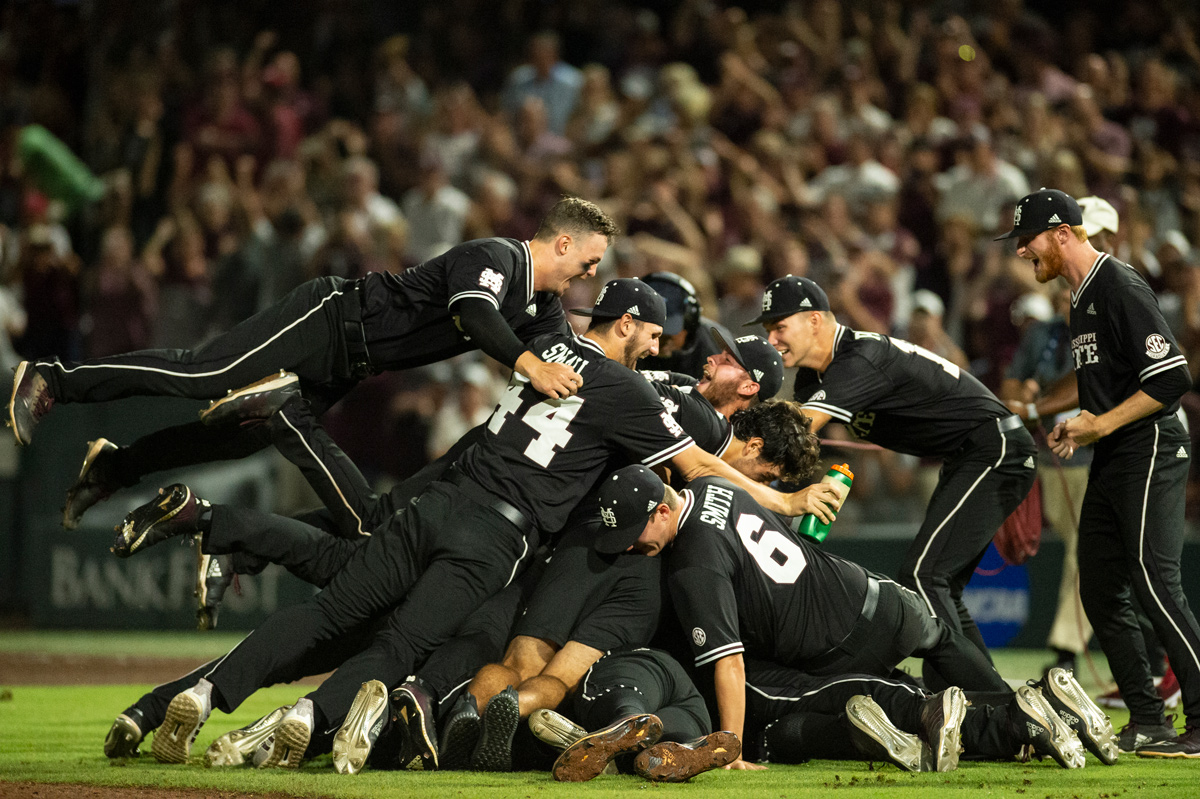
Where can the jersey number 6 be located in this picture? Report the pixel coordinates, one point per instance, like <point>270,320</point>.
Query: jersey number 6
<point>777,556</point>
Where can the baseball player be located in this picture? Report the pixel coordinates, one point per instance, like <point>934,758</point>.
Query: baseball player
<point>493,294</point>
<point>463,539</point>
<point>743,582</point>
<point>1131,375</point>
<point>907,399</point>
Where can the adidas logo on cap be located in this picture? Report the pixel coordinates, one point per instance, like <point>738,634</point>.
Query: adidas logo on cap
<point>806,303</point>
<point>1054,220</point>
<point>758,374</point>
<point>633,311</point>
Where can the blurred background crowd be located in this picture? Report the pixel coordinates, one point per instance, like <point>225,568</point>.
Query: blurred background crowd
<point>170,167</point>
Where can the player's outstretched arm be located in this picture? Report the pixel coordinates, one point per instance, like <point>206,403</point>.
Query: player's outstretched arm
<point>729,680</point>
<point>819,499</point>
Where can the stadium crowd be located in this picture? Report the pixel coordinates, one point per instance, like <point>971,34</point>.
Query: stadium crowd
<point>225,152</point>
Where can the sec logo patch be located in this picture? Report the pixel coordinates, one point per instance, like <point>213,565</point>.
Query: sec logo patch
<point>698,636</point>
<point>1157,346</point>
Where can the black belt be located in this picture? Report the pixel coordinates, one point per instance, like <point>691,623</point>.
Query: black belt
<point>356,335</point>
<point>1010,423</point>
<point>479,494</point>
<point>858,636</point>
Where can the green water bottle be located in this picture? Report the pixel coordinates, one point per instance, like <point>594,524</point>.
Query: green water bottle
<point>841,478</point>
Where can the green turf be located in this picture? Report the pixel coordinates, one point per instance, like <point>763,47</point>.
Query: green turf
<point>54,734</point>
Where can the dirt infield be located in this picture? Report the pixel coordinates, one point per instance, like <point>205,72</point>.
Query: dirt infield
<point>34,668</point>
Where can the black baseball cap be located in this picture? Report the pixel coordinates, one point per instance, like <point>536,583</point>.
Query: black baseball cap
<point>759,358</point>
<point>627,499</point>
<point>1043,210</point>
<point>627,295</point>
<point>789,295</point>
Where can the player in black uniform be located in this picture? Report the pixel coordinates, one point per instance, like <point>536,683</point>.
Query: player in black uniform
<point>689,338</point>
<point>1131,375</point>
<point>743,582</point>
<point>460,542</point>
<point>494,294</point>
<point>907,399</point>
<point>761,442</point>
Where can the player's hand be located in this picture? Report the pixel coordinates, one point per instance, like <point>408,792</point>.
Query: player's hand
<point>552,379</point>
<point>1071,434</point>
<point>742,765</point>
<point>819,499</point>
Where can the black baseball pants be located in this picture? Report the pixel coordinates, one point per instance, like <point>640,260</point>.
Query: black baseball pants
<point>637,681</point>
<point>1131,542</point>
<point>979,486</point>
<point>427,570</point>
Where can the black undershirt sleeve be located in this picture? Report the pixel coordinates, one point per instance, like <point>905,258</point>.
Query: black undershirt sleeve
<point>480,320</point>
<point>1167,387</point>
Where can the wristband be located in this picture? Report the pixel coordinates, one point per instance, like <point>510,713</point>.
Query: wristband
<point>1031,411</point>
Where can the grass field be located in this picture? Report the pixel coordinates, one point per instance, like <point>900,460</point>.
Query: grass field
<point>54,734</point>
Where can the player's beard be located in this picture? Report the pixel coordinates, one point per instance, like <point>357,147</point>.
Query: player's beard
<point>1050,263</point>
<point>719,393</point>
<point>633,353</point>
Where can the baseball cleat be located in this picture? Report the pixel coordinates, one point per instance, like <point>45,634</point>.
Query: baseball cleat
<point>185,716</point>
<point>291,738</point>
<point>460,735</point>
<point>214,574</point>
<point>234,748</point>
<point>1072,704</point>
<point>587,757</point>
<point>411,709</point>
<point>941,721</point>
<point>1134,736</point>
<point>1037,724</point>
<point>357,736</point>
<point>93,483</point>
<point>496,731</point>
<point>554,729</point>
<point>30,401</point>
<point>125,735</point>
<point>675,762</point>
<point>1186,745</point>
<point>877,738</point>
<point>175,511</point>
<point>256,401</point>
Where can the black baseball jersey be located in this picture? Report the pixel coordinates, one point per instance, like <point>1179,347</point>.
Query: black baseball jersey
<point>1119,342</point>
<point>408,317</point>
<point>897,395</point>
<point>742,581</point>
<point>711,431</point>
<point>542,454</point>
<point>690,361</point>
<point>607,603</point>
